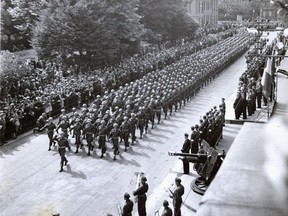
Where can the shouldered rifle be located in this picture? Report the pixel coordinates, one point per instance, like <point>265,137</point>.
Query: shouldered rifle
<point>119,209</point>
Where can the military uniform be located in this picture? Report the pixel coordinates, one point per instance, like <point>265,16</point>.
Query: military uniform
<point>62,145</point>
<point>141,197</point>
<point>177,199</point>
<point>89,131</point>
<point>50,132</point>
<point>77,128</point>
<point>128,208</point>
<point>125,129</point>
<point>114,135</point>
<point>102,132</point>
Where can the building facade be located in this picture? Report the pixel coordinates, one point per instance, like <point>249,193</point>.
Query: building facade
<point>267,10</point>
<point>204,12</point>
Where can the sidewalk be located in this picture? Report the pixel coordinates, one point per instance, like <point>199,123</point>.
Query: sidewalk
<point>191,200</point>
<point>253,177</point>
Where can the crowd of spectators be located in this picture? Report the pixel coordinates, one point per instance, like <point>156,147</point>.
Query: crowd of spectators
<point>45,88</point>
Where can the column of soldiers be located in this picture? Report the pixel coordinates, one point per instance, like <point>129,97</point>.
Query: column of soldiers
<point>137,104</point>
<point>210,129</point>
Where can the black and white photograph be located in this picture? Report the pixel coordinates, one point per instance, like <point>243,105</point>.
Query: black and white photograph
<point>144,108</point>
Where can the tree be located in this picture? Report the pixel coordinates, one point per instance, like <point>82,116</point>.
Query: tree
<point>166,19</point>
<point>8,29</point>
<point>87,32</point>
<point>19,17</point>
<point>282,12</point>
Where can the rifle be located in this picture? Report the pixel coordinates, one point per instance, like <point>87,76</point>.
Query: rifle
<point>119,209</point>
<point>139,175</point>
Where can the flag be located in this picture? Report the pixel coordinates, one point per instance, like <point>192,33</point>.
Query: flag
<point>266,80</point>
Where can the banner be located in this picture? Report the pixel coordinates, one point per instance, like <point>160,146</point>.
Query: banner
<point>267,78</point>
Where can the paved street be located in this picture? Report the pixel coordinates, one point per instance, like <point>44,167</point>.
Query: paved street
<point>32,185</point>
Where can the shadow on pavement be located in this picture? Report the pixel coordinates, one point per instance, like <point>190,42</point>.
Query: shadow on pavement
<point>74,174</point>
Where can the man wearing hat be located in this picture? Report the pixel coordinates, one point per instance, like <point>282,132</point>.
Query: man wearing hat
<point>167,210</point>
<point>141,196</point>
<point>177,197</point>
<point>128,207</point>
<point>194,140</point>
<point>186,145</point>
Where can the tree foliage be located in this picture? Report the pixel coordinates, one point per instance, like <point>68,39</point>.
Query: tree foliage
<point>19,17</point>
<point>282,12</point>
<point>93,31</point>
<point>166,18</point>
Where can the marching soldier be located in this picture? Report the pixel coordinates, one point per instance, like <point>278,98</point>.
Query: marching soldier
<point>62,116</point>
<point>89,131</point>
<point>102,131</point>
<point>77,128</point>
<point>141,121</point>
<point>133,124</point>
<point>64,125</point>
<point>62,145</point>
<point>40,123</point>
<point>158,110</point>
<point>50,131</point>
<point>141,196</point>
<point>125,129</point>
<point>152,107</point>
<point>114,135</point>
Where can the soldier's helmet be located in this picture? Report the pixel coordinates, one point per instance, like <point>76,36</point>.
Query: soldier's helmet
<point>115,125</point>
<point>196,126</point>
<point>192,128</point>
<point>62,110</point>
<point>133,115</point>
<point>126,196</point>
<point>102,122</point>
<point>165,203</point>
<point>125,118</point>
<point>73,109</point>
<point>50,119</point>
